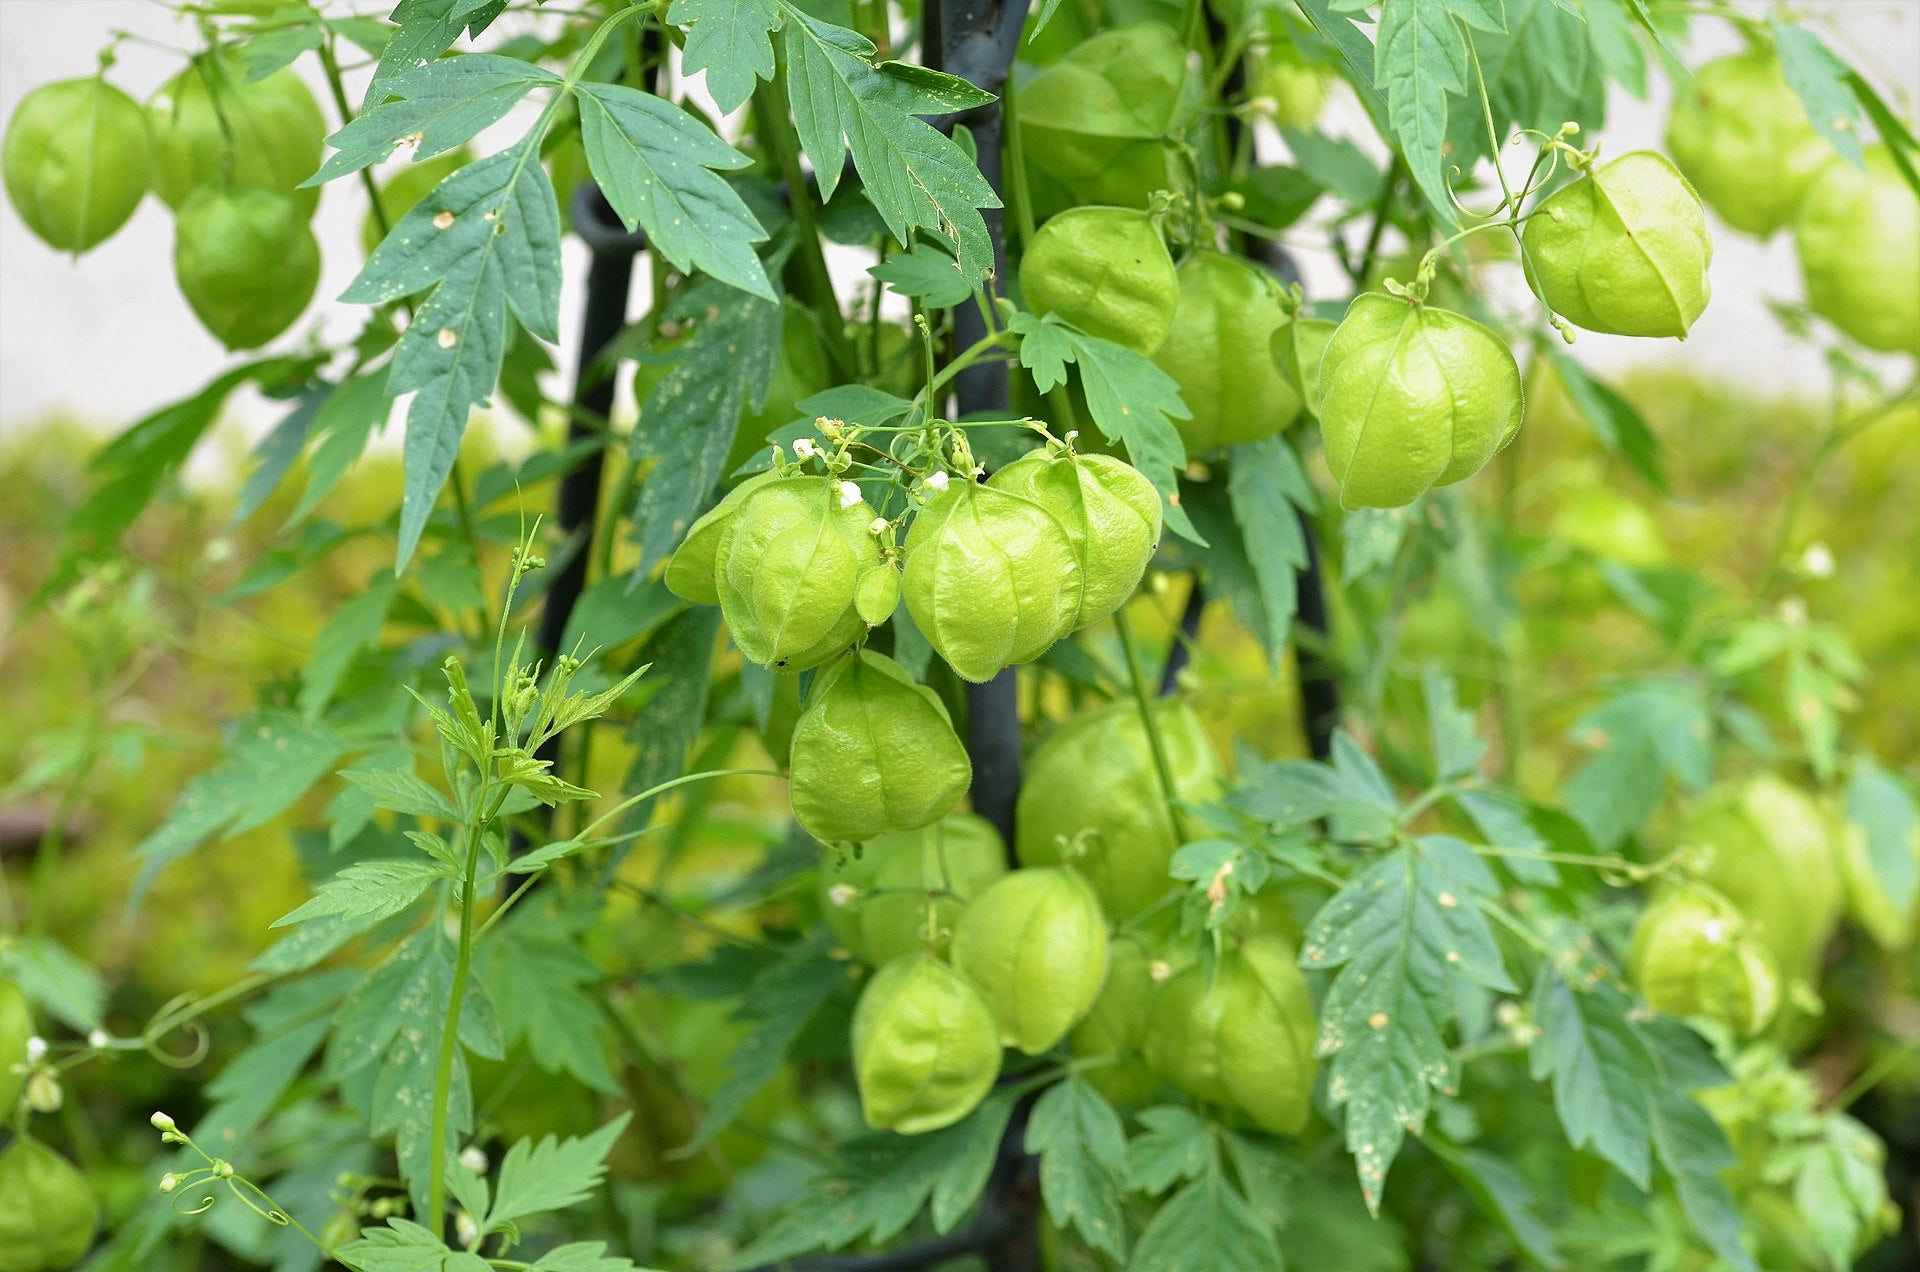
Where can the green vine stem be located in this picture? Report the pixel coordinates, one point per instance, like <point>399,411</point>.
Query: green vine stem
<point>1156,745</point>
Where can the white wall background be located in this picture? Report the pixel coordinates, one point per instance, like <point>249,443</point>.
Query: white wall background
<point>101,340</point>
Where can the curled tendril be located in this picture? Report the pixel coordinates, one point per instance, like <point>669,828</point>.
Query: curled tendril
<point>248,1191</point>
<point>163,1024</point>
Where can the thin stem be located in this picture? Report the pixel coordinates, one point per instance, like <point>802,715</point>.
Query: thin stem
<point>783,145</point>
<point>1156,747</point>
<point>1876,1073</point>
<point>450,1026</point>
<point>338,88</point>
<point>1842,432</point>
<point>1019,202</point>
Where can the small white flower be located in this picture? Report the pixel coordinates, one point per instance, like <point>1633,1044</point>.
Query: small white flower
<point>938,481</point>
<point>1793,612</point>
<point>842,894</point>
<point>1817,560</point>
<point>474,1159</point>
<point>169,1182</point>
<point>1160,970</point>
<point>1713,931</point>
<point>98,1040</point>
<point>161,1122</point>
<point>849,494</point>
<point>465,1230</point>
<point>878,525</point>
<point>805,448</point>
<point>36,1049</point>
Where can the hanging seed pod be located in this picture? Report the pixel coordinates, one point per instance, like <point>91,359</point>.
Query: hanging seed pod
<point>246,261</point>
<point>1773,858</point>
<point>1092,780</point>
<point>47,1209</point>
<point>1111,513</point>
<point>874,753</point>
<point>1624,250</point>
<point>210,126</point>
<point>991,578</point>
<point>1106,271</point>
<point>876,897</point>
<point>924,1047</point>
<point>1743,139</point>
<point>1696,956</point>
<point>1412,397</point>
<point>1246,1040</point>
<point>75,161</point>
<point>1116,1025</point>
<point>1858,237</point>
<point>692,573</point>
<point>787,570</point>
<point>1035,945</point>
<point>1220,353</point>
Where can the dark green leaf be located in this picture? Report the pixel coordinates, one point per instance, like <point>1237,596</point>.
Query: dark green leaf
<point>925,272</point>
<point>273,457</point>
<point>1208,1225</point>
<point>1645,735</point>
<point>1404,932</point>
<point>1268,490</point>
<point>1173,1148</point>
<point>369,889</point>
<point>731,41</point>
<point>1695,1152</point>
<point>1083,1153</point>
<point>486,238</point>
<point>548,992</point>
<point>1615,422</point>
<point>1420,58</point>
<point>1502,1192</point>
<point>916,177</point>
<point>1601,1068</point>
<point>654,162</point>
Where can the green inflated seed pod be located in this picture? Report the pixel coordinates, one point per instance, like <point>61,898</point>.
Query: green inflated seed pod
<point>924,1047</point>
<point>1035,945</point>
<point>1111,513</point>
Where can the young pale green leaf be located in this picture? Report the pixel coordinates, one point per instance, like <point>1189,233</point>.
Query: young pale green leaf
<point>583,1256</point>
<point>1083,1155</point>
<point>535,776</point>
<point>1814,72</point>
<point>1207,1224</point>
<point>882,1183</point>
<point>369,889</point>
<point>401,1246</point>
<point>1405,933</point>
<point>485,239</point>
<point>689,420</point>
<point>731,41</point>
<point>915,176</point>
<point>273,456</point>
<point>779,1002</point>
<point>344,423</point>
<point>272,758</point>
<point>1420,58</point>
<point>1174,1147</point>
<point>268,49</point>
<point>654,162</point>
<point>1269,490</point>
<point>550,1175</point>
<point>445,103</point>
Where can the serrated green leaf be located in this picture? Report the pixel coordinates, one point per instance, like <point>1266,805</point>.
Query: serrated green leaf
<point>926,273</point>
<point>54,979</point>
<point>654,163</point>
<point>1173,1148</point>
<point>369,889</point>
<point>1502,1192</point>
<point>883,1181</point>
<point>485,239</point>
<point>246,1091</point>
<point>271,759</point>
<point>1132,400</point>
<point>550,1175</point>
<point>352,628</point>
<point>1694,1152</point>
<point>1268,490</point>
<point>341,428</point>
<point>443,104</point>
<point>423,30</point>
<point>583,1256</point>
<point>402,1246</point>
<point>547,991</point>
<point>1403,932</point>
<point>1647,734</point>
<point>1420,58</point>
<point>731,40</point>
<point>1820,79</point>
<point>1207,1224</point>
<point>273,456</point>
<point>1083,1151</point>
<point>779,1002</point>
<point>1616,422</point>
<point>688,422</point>
<point>915,176</point>
<point>1601,1069</point>
<point>1457,748</point>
